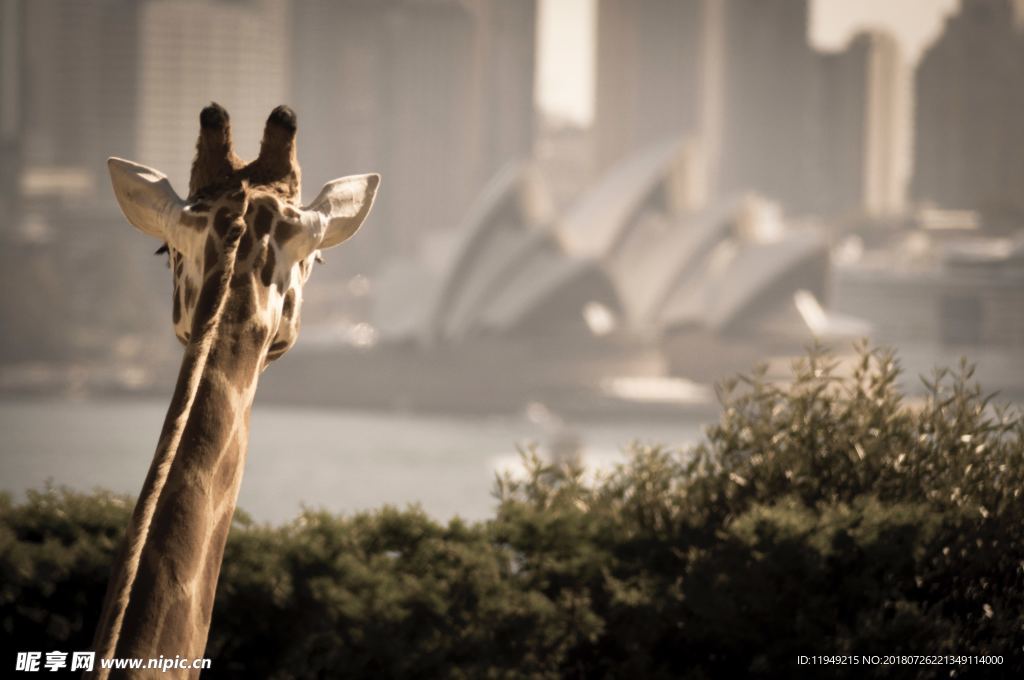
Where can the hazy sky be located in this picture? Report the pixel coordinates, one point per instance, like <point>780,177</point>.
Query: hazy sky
<point>565,79</point>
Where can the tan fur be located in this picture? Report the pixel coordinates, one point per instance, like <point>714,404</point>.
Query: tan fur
<point>215,160</point>
<point>236,296</point>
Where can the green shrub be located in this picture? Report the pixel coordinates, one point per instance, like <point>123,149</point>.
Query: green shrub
<point>822,516</point>
<point>55,553</point>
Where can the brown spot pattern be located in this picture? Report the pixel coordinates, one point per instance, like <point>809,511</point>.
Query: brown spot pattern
<point>209,297</point>
<point>285,231</point>
<point>193,221</point>
<point>242,300</point>
<point>267,273</point>
<point>238,355</point>
<point>227,467</point>
<point>190,293</point>
<point>216,555</point>
<point>210,255</point>
<point>235,231</point>
<point>245,247</point>
<point>222,221</point>
<point>264,218</point>
<point>288,307</point>
<point>207,431</point>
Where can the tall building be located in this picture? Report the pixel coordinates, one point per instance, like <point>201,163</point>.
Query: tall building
<point>887,137</point>
<point>740,80</point>
<point>192,53</point>
<point>508,52</point>
<point>969,112</point>
<point>434,94</point>
<point>69,102</point>
<point>652,74</point>
<point>11,115</point>
<point>126,78</point>
<point>863,131</point>
<point>768,96</point>
<point>824,133</point>
<point>79,86</point>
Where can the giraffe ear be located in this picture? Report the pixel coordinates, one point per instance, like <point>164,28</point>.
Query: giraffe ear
<point>146,197</point>
<point>343,204</point>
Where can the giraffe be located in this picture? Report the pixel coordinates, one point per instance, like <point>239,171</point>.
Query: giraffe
<point>240,249</point>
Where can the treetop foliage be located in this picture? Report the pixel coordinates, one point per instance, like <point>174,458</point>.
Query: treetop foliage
<point>825,515</point>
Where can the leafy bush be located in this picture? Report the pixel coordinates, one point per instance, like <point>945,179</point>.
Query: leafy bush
<point>823,516</point>
<point>55,554</point>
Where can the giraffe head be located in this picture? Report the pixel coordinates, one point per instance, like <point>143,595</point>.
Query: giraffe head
<point>240,246</point>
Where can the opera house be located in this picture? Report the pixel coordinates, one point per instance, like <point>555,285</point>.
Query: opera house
<point>636,280</point>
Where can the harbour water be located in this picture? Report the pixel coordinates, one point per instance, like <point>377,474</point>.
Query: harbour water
<point>339,460</point>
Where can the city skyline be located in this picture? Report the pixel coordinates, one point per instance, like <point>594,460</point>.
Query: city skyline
<point>704,70</point>
<point>733,160</point>
<point>567,40</point>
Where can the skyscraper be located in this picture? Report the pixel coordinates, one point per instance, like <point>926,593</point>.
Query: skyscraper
<point>508,46</point>
<point>434,94</point>
<point>969,113</point>
<point>11,101</point>
<point>79,84</point>
<point>652,74</point>
<point>768,97</point>
<point>192,53</point>
<point>887,121</point>
<point>765,112</point>
<point>863,129</point>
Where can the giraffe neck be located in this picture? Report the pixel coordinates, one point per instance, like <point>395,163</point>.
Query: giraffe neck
<point>161,592</point>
